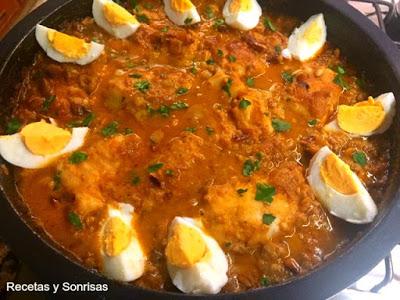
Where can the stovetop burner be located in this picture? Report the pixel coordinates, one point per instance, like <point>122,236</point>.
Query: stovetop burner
<point>385,13</point>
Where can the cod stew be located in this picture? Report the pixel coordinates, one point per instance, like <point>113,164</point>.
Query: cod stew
<point>197,146</point>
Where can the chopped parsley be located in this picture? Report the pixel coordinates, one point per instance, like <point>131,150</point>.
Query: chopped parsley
<point>278,49</point>
<point>268,24</point>
<point>135,179</point>
<point>164,111</point>
<point>218,23</point>
<point>220,53</point>
<point>13,126</point>
<point>227,86</point>
<point>142,18</point>
<point>281,125</point>
<point>209,12</point>
<point>78,157</point>
<point>133,3</point>
<point>210,61</point>
<point>169,172</point>
<point>360,158</point>
<point>264,281</point>
<point>244,103</point>
<point>155,167</point>
<point>142,85</point>
<point>128,131</point>
<point>110,129</point>
<point>231,58</point>
<point>75,220</point>
<point>341,81</point>
<point>47,102</point>
<point>250,166</point>
<point>268,219</point>
<point>287,77</point>
<point>265,192</point>
<point>179,105</point>
<point>136,75</point>
<point>241,191</point>
<point>191,129</point>
<point>188,21</point>
<point>312,122</point>
<point>250,81</point>
<point>210,130</point>
<point>182,91</point>
<point>57,181</point>
<point>88,119</point>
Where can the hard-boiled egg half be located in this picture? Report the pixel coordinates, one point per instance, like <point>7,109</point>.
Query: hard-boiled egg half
<point>306,41</point>
<point>65,48</point>
<point>242,14</point>
<point>121,253</point>
<point>181,12</point>
<point>114,19</point>
<point>39,143</point>
<point>195,261</point>
<point>339,189</point>
<point>365,118</point>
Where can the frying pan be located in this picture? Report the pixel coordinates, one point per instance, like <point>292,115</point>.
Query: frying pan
<point>365,46</point>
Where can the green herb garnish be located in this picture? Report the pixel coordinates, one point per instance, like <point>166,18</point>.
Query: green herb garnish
<point>155,167</point>
<point>268,219</point>
<point>360,158</point>
<point>179,105</point>
<point>341,81</point>
<point>142,18</point>
<point>218,23</point>
<point>250,166</point>
<point>142,85</point>
<point>209,12</point>
<point>110,129</point>
<point>78,157</point>
<point>188,21</point>
<point>241,191</point>
<point>287,77</point>
<point>169,172</point>
<point>135,179</point>
<point>265,192</point>
<point>47,102</point>
<point>250,81</point>
<point>312,122</point>
<point>57,181</point>
<point>264,281</point>
<point>281,125</point>
<point>244,103</point>
<point>165,29</point>
<point>136,75</point>
<point>13,126</point>
<point>182,91</point>
<point>227,87</point>
<point>220,53</point>
<point>231,58</point>
<point>210,61</point>
<point>268,24</point>
<point>210,130</point>
<point>191,129</point>
<point>75,220</point>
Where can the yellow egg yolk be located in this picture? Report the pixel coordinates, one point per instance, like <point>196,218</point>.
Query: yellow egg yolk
<point>117,237</point>
<point>337,175</point>
<point>67,45</point>
<point>185,247</point>
<point>362,118</point>
<point>240,6</point>
<point>313,32</point>
<point>181,5</point>
<point>117,15</point>
<point>42,138</point>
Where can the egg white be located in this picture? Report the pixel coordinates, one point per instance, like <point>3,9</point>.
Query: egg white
<point>179,18</point>
<point>243,20</point>
<point>358,208</point>
<point>207,276</point>
<point>41,32</point>
<point>119,31</point>
<point>299,47</point>
<point>13,150</point>
<point>129,265</point>
<point>388,103</point>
